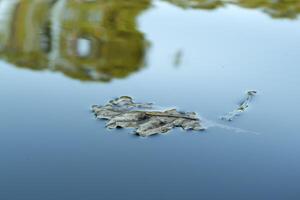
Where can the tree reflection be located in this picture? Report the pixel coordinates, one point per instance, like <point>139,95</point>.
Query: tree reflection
<point>87,40</point>
<point>94,40</point>
<point>274,8</point>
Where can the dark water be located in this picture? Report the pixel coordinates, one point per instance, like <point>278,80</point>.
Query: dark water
<point>60,57</point>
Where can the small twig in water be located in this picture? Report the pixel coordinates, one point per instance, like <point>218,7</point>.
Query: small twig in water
<point>241,108</point>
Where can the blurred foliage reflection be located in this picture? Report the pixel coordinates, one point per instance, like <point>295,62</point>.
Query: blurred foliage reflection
<point>275,8</point>
<point>95,40</point>
<point>86,40</point>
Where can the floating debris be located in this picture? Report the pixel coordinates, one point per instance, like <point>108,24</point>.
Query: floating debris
<point>241,108</point>
<point>178,58</point>
<point>122,112</point>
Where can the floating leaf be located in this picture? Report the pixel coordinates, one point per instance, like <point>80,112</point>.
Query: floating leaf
<point>123,112</point>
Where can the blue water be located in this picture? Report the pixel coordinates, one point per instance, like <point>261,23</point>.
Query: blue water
<point>51,146</point>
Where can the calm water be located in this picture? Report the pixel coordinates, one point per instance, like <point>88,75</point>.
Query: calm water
<point>60,57</point>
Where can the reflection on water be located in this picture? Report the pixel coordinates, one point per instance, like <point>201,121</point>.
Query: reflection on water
<point>200,60</point>
<point>275,8</point>
<point>86,40</point>
<point>93,40</point>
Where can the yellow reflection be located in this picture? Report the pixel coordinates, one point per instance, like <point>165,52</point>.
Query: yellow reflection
<point>274,8</point>
<point>87,40</point>
<point>94,40</point>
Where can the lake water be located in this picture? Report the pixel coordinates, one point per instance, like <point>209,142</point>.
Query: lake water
<point>60,57</point>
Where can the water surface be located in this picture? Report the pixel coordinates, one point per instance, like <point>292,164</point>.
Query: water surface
<point>60,57</point>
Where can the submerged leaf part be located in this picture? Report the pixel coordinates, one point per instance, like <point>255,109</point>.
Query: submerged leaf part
<point>123,112</point>
<point>243,106</point>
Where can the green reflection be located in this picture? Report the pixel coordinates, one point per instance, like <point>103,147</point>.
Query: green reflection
<point>275,8</point>
<point>94,40</point>
<point>86,40</point>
